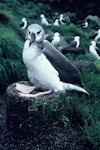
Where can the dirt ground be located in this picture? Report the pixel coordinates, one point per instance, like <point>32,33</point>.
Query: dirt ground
<point>41,136</point>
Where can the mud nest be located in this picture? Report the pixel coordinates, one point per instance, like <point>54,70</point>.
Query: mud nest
<point>84,64</point>
<point>19,105</point>
<point>12,93</point>
<point>40,129</point>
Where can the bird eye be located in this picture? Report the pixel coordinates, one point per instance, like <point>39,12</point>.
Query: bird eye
<point>38,32</point>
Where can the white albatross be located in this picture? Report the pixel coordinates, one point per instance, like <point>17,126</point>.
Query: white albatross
<point>56,39</point>
<point>41,72</point>
<point>97,36</point>
<point>75,42</point>
<point>23,23</point>
<point>84,24</point>
<point>94,50</point>
<point>64,21</point>
<point>44,20</point>
<point>56,22</point>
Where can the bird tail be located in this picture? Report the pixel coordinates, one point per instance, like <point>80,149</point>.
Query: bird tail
<point>68,86</point>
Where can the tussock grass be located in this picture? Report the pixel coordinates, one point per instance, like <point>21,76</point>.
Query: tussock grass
<point>97,64</point>
<point>11,67</point>
<point>73,110</point>
<point>10,72</point>
<point>10,47</point>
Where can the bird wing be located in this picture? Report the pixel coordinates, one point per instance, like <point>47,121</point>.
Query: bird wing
<point>93,35</point>
<point>21,24</point>
<point>93,51</point>
<point>98,50</point>
<point>66,21</point>
<point>67,71</point>
<point>73,50</point>
<point>73,44</point>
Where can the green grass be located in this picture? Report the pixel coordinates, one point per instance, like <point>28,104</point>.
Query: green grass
<point>82,112</point>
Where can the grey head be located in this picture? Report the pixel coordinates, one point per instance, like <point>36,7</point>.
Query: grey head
<point>35,33</point>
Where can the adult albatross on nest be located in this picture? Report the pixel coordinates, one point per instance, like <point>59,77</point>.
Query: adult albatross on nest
<point>94,50</point>
<point>23,23</point>
<point>47,67</point>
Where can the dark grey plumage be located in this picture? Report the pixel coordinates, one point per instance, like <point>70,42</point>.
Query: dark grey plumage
<point>83,25</point>
<point>63,21</point>
<point>98,50</point>
<point>21,24</point>
<point>75,42</point>
<point>93,35</point>
<point>67,72</point>
<point>73,50</point>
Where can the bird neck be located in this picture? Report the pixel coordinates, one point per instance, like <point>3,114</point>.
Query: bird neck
<point>31,53</point>
<point>61,18</point>
<point>37,48</point>
<point>78,42</point>
<point>40,45</point>
<point>93,45</point>
<point>25,24</point>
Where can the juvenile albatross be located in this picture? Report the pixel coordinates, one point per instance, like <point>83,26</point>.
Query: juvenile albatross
<point>63,21</point>
<point>23,23</point>
<point>75,42</point>
<point>43,70</point>
<point>56,39</point>
<point>44,20</point>
<point>83,25</point>
<point>96,36</point>
<point>94,50</point>
<point>56,22</point>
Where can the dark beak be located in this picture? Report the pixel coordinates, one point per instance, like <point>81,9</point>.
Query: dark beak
<point>32,39</point>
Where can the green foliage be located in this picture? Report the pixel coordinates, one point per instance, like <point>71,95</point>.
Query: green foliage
<point>71,110</point>
<point>11,67</point>
<point>5,16</point>
<point>9,47</point>
<point>91,109</point>
<point>10,71</point>
<point>97,64</point>
<point>91,115</point>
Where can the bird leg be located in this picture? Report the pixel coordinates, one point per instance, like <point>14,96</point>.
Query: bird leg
<point>35,95</point>
<point>26,89</point>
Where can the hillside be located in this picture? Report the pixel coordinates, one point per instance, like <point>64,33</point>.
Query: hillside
<point>79,114</point>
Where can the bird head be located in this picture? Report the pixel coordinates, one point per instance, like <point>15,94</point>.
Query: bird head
<point>98,31</point>
<point>42,16</point>
<point>77,38</point>
<point>23,19</point>
<point>56,34</point>
<point>57,20</point>
<point>93,43</point>
<point>35,33</point>
<point>61,15</point>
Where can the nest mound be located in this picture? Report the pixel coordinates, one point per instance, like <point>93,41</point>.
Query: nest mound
<point>12,93</point>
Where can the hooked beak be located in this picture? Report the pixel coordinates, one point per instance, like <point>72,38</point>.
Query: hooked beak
<point>32,39</point>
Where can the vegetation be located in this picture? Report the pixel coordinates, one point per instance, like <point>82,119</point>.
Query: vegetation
<point>77,112</point>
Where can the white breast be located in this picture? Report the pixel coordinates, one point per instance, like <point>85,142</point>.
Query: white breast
<point>40,69</point>
<point>93,52</point>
